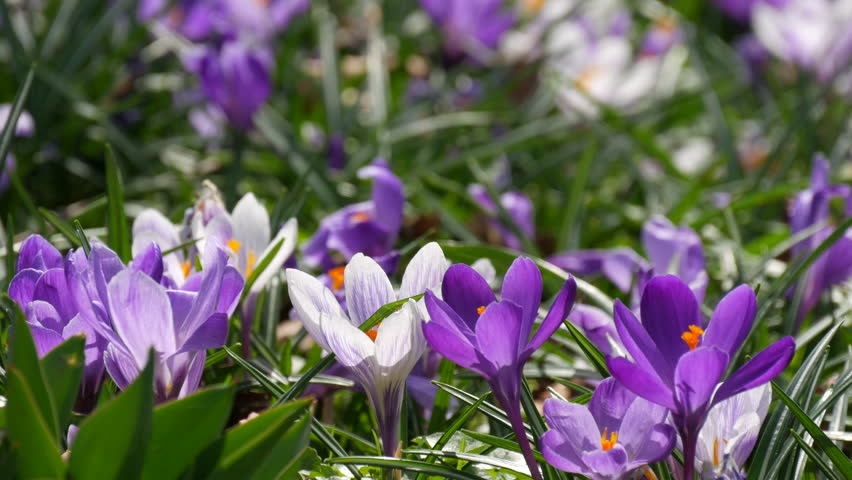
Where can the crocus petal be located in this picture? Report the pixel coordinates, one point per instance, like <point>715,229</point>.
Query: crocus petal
<point>637,432</point>
<point>640,346</point>
<point>353,348</point>
<point>311,299</point>
<point>388,195</point>
<point>465,291</point>
<point>289,233</point>
<point>53,289</point>
<point>37,253</point>
<point>251,228</point>
<point>213,333</point>
<point>193,374</point>
<point>731,321</point>
<point>44,314</point>
<point>608,463</point>
<point>141,314</point>
<point>424,272</point>
<point>151,226</point>
<point>641,382</point>
<point>668,309</point>
<point>838,268</point>
<point>229,294</point>
<point>367,288</point>
<point>609,404</point>
<point>149,262</point>
<point>555,316</point>
<point>206,302</point>
<point>45,340</point>
<point>105,265</point>
<point>560,452</point>
<point>400,342</point>
<point>574,422</point>
<point>597,325</point>
<point>23,285</point>
<point>120,367</point>
<point>761,369</point>
<point>454,347</point>
<point>522,286</point>
<point>497,333</point>
<point>696,376</point>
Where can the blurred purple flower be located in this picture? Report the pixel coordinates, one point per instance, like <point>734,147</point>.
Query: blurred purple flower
<point>369,227</point>
<point>470,27</point>
<point>336,152</point>
<point>811,207</point>
<point>24,128</point>
<point>611,438</point>
<point>235,77</point>
<point>493,338</point>
<point>597,325</point>
<point>741,9</point>
<point>517,205</point>
<point>753,54</point>
<point>39,287</point>
<point>677,364</point>
<point>661,37</point>
<point>261,19</point>
<point>197,20</point>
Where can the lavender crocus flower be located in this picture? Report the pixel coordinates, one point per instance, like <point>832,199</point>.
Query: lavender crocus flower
<point>40,289</point>
<point>493,338</point>
<point>197,20</point>
<point>470,27</point>
<point>24,128</point>
<point>730,433</point>
<point>261,19</point>
<point>369,227</point>
<point>810,207</point>
<point>517,205</point>
<point>139,314</point>
<point>236,77</point>
<point>610,439</point>
<point>677,364</point>
<point>381,358</point>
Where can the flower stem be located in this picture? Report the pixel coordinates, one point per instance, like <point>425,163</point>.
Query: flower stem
<point>513,411</point>
<point>690,443</point>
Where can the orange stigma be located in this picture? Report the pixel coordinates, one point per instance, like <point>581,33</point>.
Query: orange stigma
<point>374,332</point>
<point>336,275</point>
<point>251,261</point>
<point>480,310</point>
<point>186,267</point>
<point>360,217</point>
<point>234,245</point>
<point>608,443</point>
<point>691,337</point>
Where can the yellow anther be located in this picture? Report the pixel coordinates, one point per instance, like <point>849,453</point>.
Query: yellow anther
<point>692,336</point>
<point>715,452</point>
<point>360,217</point>
<point>608,443</point>
<point>186,267</point>
<point>250,263</point>
<point>374,332</point>
<point>336,275</point>
<point>234,245</point>
<point>480,310</point>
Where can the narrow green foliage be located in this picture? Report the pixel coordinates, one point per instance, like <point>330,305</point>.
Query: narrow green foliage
<point>118,231</point>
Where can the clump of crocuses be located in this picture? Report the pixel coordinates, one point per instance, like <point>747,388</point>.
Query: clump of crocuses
<point>494,338</point>
<point>678,362</point>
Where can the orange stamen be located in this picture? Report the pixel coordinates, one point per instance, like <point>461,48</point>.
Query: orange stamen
<point>373,332</point>
<point>691,337</point>
<point>336,275</point>
<point>251,261</point>
<point>360,217</point>
<point>234,245</point>
<point>715,452</point>
<point>480,310</point>
<point>186,267</point>
<point>608,443</point>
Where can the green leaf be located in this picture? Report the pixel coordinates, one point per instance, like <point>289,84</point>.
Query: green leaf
<point>81,234</point>
<point>118,233</point>
<point>415,466</point>
<point>14,113</point>
<point>112,442</point>
<point>595,357</point>
<point>184,428</point>
<point>33,441</point>
<point>460,419</point>
<point>63,372</point>
<point>23,356</point>
<point>61,226</point>
<point>245,447</point>
<point>815,456</point>
<point>488,409</point>
<point>288,452</point>
<point>837,457</point>
<point>473,458</point>
<point>503,443</point>
<point>261,266</point>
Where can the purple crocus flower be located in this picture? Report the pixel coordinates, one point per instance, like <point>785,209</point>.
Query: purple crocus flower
<point>197,20</point>
<point>369,227</point>
<point>517,205</point>
<point>611,438</point>
<point>24,128</point>
<point>470,27</point>
<point>382,358</point>
<point>678,364</point>
<point>730,433</point>
<point>236,77</point>
<point>135,313</point>
<point>261,19</point>
<point>741,9</point>
<point>597,325</point>
<point>810,207</point>
<point>40,289</point>
<point>493,338</point>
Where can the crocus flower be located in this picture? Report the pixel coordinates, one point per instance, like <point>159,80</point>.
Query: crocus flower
<point>261,19</point>
<point>677,362</point>
<point>611,438</point>
<point>470,27</point>
<point>730,433</point>
<point>236,77</point>
<point>810,207</point>
<point>24,128</point>
<point>517,205</point>
<point>741,9</point>
<point>139,314</point>
<point>369,227</point>
<point>197,20</point>
<point>40,289</point>
<point>472,328</point>
<point>381,358</point>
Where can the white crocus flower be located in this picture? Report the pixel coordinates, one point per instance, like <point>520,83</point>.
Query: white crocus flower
<point>730,433</point>
<point>382,358</point>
